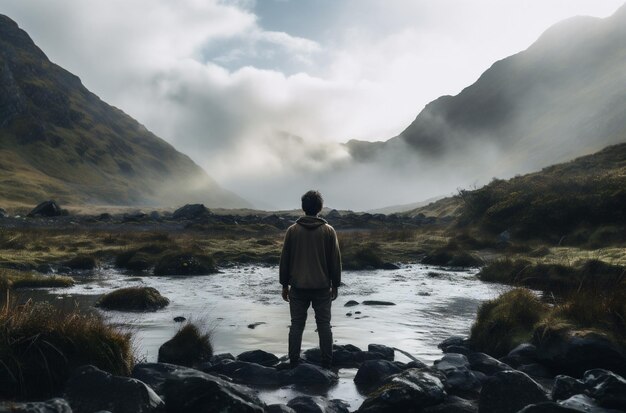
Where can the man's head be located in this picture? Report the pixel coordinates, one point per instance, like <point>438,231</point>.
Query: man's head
<point>312,203</point>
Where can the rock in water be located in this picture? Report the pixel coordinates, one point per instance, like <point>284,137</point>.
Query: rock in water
<point>404,392</point>
<point>242,372</point>
<point>192,391</point>
<point>309,375</point>
<point>386,352</point>
<point>91,389</point>
<point>259,357</point>
<point>508,392</point>
<point>566,387</point>
<point>607,388</point>
<point>50,406</point>
<point>374,372</point>
<point>486,364</point>
<point>584,403</point>
<point>377,302</point>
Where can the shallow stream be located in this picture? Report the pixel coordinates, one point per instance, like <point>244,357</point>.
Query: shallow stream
<point>431,304</point>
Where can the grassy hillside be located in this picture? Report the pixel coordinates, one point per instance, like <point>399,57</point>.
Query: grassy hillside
<point>582,201</point>
<point>59,140</point>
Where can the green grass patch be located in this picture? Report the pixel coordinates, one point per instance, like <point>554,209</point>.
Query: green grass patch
<point>507,321</point>
<point>20,279</point>
<point>190,345</point>
<point>41,345</point>
<point>556,278</point>
<point>574,203</point>
<point>133,299</point>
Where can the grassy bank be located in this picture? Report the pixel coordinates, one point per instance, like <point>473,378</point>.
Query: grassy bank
<point>554,277</point>
<point>586,295</point>
<point>24,279</point>
<point>140,250</point>
<point>41,345</point>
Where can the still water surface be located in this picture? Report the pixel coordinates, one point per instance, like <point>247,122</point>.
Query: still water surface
<point>429,308</point>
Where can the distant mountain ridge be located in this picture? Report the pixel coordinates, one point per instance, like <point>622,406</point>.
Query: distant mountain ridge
<point>564,96</point>
<point>59,140</point>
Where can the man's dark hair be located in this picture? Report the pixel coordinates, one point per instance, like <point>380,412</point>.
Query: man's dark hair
<point>312,202</point>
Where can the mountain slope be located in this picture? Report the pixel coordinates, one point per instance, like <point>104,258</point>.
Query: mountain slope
<point>578,201</point>
<point>562,97</point>
<point>59,140</point>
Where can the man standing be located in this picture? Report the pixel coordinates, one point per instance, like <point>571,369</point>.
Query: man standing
<point>311,264</point>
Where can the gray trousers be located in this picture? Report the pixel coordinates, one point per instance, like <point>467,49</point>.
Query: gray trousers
<point>299,301</point>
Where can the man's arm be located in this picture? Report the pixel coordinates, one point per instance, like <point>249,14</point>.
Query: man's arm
<point>283,268</point>
<point>334,264</point>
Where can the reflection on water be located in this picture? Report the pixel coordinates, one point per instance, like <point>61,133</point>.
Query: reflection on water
<point>427,310</point>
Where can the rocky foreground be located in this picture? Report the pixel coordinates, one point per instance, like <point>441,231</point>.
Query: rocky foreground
<point>462,381</point>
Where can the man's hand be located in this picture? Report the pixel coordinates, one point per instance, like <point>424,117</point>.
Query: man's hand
<point>286,294</point>
<point>334,293</point>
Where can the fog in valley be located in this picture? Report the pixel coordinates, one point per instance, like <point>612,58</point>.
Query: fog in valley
<point>275,97</point>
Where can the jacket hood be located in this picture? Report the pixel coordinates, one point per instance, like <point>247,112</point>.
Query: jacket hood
<point>310,222</point>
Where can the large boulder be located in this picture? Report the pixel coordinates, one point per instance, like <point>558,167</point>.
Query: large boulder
<point>192,212</point>
<point>185,264</point>
<point>309,375</point>
<point>525,353</point>
<point>49,406</point>
<point>344,355</point>
<point>486,364</point>
<point>316,404</point>
<point>508,392</point>
<point>607,388</point>
<point>257,375</point>
<point>583,403</point>
<point>410,390</point>
<point>259,357</point>
<point>388,353</point>
<point>190,391</point>
<point>47,209</point>
<point>565,387</point>
<point>187,348</point>
<point>373,372</point>
<point>90,389</point>
<point>574,353</point>
<point>460,380</point>
<point>246,373</point>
